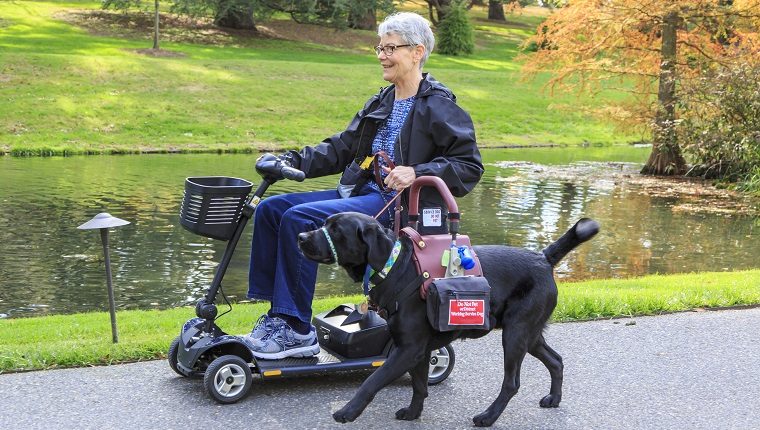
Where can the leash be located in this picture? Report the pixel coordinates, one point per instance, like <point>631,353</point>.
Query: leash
<point>369,272</point>
<point>394,199</point>
<point>377,168</point>
<point>378,179</point>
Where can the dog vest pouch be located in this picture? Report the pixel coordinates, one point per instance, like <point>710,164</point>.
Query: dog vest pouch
<point>459,303</point>
<point>431,254</point>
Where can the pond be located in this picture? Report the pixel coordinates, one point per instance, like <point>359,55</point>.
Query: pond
<point>528,198</point>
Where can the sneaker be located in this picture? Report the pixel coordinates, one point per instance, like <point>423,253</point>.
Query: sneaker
<point>285,342</point>
<point>265,325</point>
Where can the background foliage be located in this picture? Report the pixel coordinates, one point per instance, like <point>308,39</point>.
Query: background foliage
<point>721,124</point>
<point>332,13</point>
<point>455,36</point>
<point>648,48</point>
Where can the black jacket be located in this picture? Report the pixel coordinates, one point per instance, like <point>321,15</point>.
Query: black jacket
<point>437,139</point>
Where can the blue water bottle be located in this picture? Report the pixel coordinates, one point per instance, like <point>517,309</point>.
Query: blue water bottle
<point>467,261</point>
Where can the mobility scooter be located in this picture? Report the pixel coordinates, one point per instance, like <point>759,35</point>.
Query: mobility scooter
<point>219,208</point>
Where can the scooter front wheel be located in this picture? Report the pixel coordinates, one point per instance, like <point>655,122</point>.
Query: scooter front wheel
<point>228,379</point>
<point>171,356</point>
<point>441,364</point>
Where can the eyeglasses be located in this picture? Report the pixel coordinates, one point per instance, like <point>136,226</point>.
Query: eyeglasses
<point>389,49</point>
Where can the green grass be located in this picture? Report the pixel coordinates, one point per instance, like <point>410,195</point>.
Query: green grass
<point>85,339</point>
<point>67,91</point>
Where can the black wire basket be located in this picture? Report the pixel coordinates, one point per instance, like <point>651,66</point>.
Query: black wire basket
<point>212,205</point>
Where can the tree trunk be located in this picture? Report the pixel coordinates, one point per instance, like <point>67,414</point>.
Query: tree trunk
<point>155,32</point>
<point>233,15</point>
<point>496,10</point>
<point>666,158</point>
<point>366,20</point>
<point>440,7</point>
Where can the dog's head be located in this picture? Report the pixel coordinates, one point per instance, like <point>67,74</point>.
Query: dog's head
<point>358,240</point>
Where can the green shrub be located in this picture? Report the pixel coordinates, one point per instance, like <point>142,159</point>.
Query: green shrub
<point>455,35</point>
<point>720,127</point>
<point>751,182</point>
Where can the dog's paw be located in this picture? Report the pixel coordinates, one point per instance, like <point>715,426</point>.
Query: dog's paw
<point>344,415</point>
<point>485,419</point>
<point>550,401</point>
<point>408,414</point>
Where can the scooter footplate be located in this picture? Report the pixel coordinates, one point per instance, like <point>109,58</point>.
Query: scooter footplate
<point>323,357</point>
<point>321,363</point>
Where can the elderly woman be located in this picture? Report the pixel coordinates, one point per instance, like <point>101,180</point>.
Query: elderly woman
<point>416,122</point>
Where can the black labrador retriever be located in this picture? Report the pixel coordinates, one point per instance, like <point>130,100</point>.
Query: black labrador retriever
<point>523,297</point>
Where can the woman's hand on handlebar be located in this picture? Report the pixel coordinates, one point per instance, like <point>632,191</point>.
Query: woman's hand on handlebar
<point>273,168</point>
<point>400,178</point>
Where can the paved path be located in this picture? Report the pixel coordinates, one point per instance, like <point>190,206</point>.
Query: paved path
<point>697,370</point>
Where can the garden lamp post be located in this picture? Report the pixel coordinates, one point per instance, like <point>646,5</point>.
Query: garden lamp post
<point>103,221</point>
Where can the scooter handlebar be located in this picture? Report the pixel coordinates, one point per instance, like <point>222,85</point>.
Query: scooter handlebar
<point>292,173</point>
<point>272,169</point>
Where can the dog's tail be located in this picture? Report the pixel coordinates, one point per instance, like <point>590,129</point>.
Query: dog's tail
<point>582,231</point>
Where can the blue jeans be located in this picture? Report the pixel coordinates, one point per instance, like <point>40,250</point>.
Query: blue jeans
<point>279,272</point>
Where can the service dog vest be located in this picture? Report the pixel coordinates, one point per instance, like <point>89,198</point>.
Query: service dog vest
<point>428,252</point>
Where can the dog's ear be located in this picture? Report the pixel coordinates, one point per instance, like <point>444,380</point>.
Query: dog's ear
<point>379,244</point>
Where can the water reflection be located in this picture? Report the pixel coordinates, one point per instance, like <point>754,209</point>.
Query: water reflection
<point>47,266</point>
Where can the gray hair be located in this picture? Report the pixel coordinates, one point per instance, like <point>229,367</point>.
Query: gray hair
<point>412,28</point>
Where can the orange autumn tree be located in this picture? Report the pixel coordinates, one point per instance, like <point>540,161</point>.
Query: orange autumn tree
<point>651,47</point>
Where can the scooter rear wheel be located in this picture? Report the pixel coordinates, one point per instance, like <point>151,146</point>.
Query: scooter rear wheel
<point>228,379</point>
<point>441,364</point>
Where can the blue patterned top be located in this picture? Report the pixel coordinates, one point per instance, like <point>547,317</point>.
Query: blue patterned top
<point>389,130</point>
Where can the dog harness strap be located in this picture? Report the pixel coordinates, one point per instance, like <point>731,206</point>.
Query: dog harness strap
<point>365,281</point>
<point>332,246</point>
<point>397,217</point>
<point>410,288</point>
<point>395,251</point>
<point>400,295</point>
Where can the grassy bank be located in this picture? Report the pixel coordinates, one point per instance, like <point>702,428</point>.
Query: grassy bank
<point>72,84</point>
<point>85,339</point>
